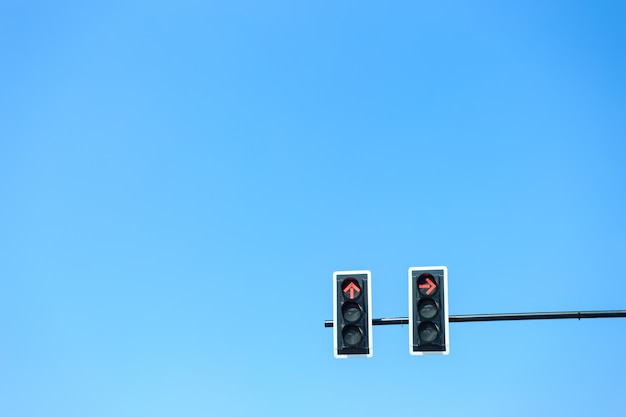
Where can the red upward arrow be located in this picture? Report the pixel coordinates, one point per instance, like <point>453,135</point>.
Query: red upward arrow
<point>352,287</point>
<point>430,285</point>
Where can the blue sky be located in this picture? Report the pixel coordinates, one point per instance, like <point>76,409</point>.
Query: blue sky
<point>179,181</point>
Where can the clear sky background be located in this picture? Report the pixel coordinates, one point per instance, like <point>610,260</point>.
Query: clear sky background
<point>180,179</point>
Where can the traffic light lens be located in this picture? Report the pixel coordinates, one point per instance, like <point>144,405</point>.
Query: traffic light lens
<point>427,308</point>
<point>427,284</point>
<point>428,331</point>
<point>352,335</point>
<point>351,312</point>
<point>350,288</point>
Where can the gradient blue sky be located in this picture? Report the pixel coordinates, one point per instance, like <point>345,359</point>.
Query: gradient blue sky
<point>179,180</point>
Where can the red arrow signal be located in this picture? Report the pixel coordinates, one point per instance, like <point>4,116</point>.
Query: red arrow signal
<point>352,287</point>
<point>430,286</point>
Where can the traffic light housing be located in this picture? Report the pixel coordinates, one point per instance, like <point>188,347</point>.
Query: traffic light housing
<point>352,314</point>
<point>428,311</point>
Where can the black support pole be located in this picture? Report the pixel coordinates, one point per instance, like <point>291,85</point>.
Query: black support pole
<point>512,316</point>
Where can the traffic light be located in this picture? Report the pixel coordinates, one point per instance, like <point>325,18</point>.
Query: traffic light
<point>428,311</point>
<point>352,314</point>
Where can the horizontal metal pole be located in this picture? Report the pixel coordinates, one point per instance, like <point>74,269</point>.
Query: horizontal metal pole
<point>512,316</point>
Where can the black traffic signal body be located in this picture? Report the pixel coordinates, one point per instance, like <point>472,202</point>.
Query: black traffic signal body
<point>352,314</point>
<point>428,311</point>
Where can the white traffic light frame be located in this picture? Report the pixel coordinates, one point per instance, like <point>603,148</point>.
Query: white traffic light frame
<point>369,313</point>
<point>445,310</point>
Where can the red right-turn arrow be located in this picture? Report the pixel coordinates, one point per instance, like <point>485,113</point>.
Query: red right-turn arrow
<point>430,285</point>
